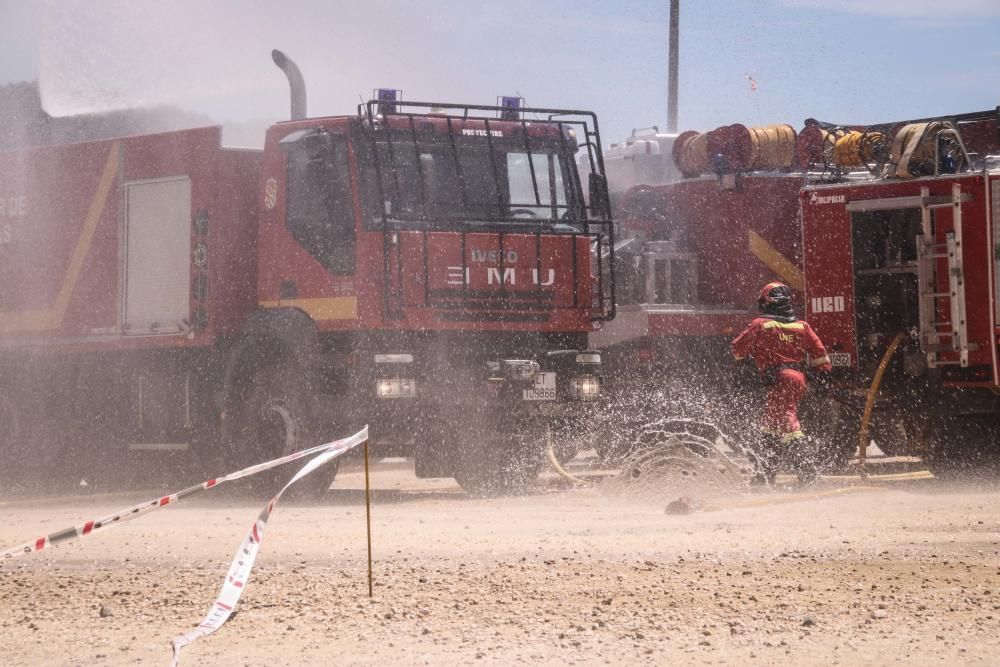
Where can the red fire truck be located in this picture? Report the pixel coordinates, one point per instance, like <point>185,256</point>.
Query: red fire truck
<point>913,250</point>
<point>432,270</point>
<point>875,208</point>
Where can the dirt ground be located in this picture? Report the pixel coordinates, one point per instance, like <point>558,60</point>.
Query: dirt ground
<point>906,574</point>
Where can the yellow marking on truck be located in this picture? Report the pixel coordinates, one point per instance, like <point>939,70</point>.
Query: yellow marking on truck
<point>325,308</point>
<point>775,261</point>
<point>43,320</point>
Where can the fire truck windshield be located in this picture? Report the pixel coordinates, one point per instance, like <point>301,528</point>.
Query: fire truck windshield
<point>443,182</point>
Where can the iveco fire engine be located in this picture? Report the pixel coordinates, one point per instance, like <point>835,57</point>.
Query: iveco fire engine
<point>432,270</point>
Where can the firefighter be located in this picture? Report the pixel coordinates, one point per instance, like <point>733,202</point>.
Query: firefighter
<point>781,345</point>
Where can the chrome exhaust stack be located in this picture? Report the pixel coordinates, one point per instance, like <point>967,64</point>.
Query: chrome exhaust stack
<point>296,84</point>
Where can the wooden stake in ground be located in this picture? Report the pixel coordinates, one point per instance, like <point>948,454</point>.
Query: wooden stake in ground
<point>368,519</point>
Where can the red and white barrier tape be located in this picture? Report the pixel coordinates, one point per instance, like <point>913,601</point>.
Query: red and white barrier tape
<point>239,570</point>
<point>121,516</point>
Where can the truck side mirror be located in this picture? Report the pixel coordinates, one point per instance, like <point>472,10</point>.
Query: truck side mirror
<point>318,145</point>
<point>600,200</point>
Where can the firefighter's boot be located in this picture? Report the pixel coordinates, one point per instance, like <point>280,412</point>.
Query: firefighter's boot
<point>768,454</point>
<point>803,456</point>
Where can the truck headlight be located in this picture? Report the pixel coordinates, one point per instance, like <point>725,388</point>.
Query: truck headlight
<point>395,388</point>
<point>584,387</point>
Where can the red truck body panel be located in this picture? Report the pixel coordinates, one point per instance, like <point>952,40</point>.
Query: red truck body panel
<point>829,262</point>
<point>743,236</point>
<point>63,270</point>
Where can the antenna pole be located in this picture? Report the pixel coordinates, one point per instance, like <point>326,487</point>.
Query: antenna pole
<point>672,55</point>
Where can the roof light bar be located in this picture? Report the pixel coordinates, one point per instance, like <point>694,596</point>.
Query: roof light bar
<point>387,98</point>
<point>510,107</point>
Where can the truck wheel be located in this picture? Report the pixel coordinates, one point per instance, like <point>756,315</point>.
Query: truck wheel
<point>965,448</point>
<point>277,422</point>
<point>11,450</point>
<point>833,430</point>
<point>567,436</point>
<point>891,435</point>
<point>500,466</point>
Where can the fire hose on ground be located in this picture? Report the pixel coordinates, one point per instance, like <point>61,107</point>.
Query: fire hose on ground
<point>870,403</point>
<point>550,450</point>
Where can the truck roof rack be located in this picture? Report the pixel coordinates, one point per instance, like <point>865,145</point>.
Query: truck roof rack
<point>988,114</point>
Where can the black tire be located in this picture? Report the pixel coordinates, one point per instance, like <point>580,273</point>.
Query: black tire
<point>11,443</point>
<point>568,438</point>
<point>277,421</point>
<point>31,459</point>
<point>502,465</point>
<point>965,448</point>
<point>832,428</point>
<point>890,435</point>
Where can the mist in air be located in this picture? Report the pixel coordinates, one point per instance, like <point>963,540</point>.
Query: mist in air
<point>213,59</point>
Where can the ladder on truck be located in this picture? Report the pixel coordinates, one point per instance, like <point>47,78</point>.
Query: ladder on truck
<point>669,276</point>
<point>942,336</point>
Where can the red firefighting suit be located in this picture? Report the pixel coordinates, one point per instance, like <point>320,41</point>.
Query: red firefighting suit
<point>779,348</point>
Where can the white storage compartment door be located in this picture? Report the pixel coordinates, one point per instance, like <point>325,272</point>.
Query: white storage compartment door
<point>157,256</point>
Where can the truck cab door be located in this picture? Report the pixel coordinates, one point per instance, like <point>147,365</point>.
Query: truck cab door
<point>320,214</point>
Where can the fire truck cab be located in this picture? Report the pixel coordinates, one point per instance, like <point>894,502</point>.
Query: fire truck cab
<point>440,267</point>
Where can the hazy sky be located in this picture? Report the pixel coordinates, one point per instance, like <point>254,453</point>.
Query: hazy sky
<point>839,60</point>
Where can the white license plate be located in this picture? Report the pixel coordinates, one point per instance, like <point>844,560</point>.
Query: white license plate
<point>544,388</point>
<point>840,359</point>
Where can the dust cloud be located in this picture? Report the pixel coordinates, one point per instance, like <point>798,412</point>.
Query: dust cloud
<point>559,576</point>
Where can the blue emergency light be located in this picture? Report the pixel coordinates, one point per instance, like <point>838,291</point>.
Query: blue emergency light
<point>386,99</point>
<point>510,107</point>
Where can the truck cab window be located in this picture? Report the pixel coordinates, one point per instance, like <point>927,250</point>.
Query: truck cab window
<point>544,196</point>
<point>438,181</point>
<point>320,214</point>
<point>430,183</point>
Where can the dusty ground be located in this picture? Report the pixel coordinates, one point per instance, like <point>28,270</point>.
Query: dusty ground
<point>908,575</point>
